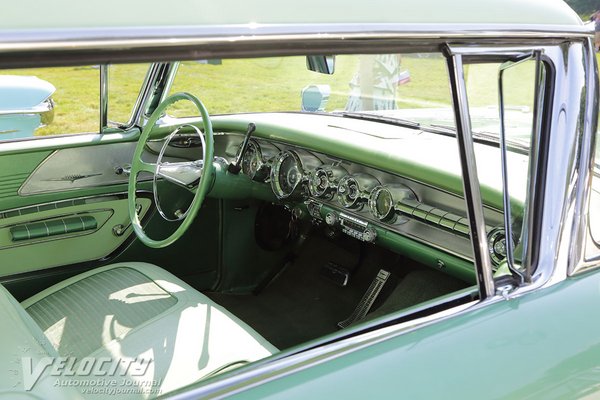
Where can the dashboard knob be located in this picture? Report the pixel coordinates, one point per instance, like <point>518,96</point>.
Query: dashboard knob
<point>331,219</point>
<point>369,235</point>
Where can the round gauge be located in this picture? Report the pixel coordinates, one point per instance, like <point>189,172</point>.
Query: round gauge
<point>381,203</point>
<point>287,174</point>
<point>353,190</point>
<point>323,181</point>
<point>318,183</point>
<point>252,162</point>
<point>348,191</point>
<point>497,245</point>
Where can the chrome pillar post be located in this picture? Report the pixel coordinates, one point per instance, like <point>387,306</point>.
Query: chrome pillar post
<point>103,97</point>
<point>481,256</point>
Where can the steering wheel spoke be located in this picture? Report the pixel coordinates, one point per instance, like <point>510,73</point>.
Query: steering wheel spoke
<point>187,174</point>
<point>147,167</point>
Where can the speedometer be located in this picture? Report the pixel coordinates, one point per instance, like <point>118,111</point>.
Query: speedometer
<point>287,175</point>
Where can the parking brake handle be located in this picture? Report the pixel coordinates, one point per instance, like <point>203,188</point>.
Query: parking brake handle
<point>235,166</point>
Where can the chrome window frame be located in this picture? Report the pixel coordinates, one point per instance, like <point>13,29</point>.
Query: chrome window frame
<point>588,259</point>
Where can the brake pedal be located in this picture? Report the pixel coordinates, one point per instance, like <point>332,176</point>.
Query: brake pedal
<point>365,304</point>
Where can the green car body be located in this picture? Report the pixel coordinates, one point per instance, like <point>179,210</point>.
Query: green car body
<point>521,323</point>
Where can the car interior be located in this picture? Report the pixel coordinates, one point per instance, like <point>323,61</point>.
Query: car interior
<point>205,233</point>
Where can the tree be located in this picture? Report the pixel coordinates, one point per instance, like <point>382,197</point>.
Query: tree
<point>584,6</point>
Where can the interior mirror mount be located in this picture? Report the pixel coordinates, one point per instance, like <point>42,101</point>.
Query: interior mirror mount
<point>323,64</point>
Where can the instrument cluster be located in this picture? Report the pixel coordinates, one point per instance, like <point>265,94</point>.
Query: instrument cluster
<point>300,175</point>
<point>358,200</point>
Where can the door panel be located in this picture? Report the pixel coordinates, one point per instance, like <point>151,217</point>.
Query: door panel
<point>44,190</point>
<point>78,168</point>
<point>55,247</point>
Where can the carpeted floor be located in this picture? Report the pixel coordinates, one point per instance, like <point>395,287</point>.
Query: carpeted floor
<point>300,304</point>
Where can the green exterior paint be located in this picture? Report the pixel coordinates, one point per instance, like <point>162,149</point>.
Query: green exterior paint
<point>202,13</point>
<point>532,337</point>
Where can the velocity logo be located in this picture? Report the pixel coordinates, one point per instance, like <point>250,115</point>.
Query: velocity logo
<point>88,367</point>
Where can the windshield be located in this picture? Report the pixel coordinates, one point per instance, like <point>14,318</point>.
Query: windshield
<point>410,89</point>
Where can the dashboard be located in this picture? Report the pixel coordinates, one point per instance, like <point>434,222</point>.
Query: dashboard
<point>365,203</point>
<point>345,196</point>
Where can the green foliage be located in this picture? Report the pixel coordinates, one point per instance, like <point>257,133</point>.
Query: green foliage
<point>584,7</point>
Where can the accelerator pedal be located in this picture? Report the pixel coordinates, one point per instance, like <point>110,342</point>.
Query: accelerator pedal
<point>365,304</point>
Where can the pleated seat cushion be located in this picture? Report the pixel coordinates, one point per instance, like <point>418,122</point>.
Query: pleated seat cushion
<point>137,311</point>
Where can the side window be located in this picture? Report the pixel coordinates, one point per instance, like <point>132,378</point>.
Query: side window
<point>124,85</point>
<point>517,105</point>
<point>49,101</point>
<point>37,102</point>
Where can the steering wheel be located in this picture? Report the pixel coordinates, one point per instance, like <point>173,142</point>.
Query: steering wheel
<point>201,171</point>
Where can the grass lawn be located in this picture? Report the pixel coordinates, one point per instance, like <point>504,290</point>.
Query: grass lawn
<point>267,84</point>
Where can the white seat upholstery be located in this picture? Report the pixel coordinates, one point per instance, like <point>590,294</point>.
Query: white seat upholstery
<point>140,314</point>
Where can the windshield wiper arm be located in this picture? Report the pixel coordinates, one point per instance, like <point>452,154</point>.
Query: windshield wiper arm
<point>380,118</point>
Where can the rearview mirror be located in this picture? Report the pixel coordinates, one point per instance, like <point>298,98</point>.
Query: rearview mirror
<point>321,64</point>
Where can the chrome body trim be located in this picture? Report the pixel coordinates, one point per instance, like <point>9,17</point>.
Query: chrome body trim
<point>104,79</point>
<point>586,167</point>
<point>543,95</point>
<point>140,107</point>
<point>481,255</point>
<point>172,43</point>
<point>508,221</point>
<point>41,108</point>
<point>558,225</point>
